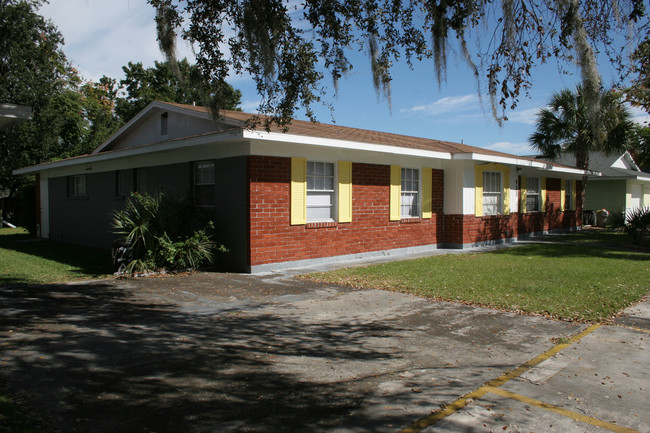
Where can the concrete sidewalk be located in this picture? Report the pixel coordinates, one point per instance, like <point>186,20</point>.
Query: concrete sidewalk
<point>240,353</point>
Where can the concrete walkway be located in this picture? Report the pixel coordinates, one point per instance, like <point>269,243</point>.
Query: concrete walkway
<point>237,353</point>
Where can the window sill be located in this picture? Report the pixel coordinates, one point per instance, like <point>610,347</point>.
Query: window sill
<point>320,225</point>
<point>410,220</point>
<point>78,197</point>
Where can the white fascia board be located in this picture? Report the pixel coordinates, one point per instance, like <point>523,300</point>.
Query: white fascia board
<point>343,144</point>
<point>500,159</point>
<point>542,165</point>
<point>133,151</point>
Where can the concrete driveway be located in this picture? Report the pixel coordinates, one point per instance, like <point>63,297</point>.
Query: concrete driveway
<point>233,353</point>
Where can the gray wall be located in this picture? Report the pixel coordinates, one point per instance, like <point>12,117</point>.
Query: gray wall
<point>86,220</point>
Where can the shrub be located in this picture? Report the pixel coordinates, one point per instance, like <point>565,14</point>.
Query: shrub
<point>635,223</point>
<point>159,232</point>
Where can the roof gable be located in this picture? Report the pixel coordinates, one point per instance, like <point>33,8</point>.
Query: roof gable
<point>161,121</point>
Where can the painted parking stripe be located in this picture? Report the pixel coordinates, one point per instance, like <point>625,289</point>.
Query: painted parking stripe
<point>560,411</point>
<point>451,408</point>
<point>634,328</point>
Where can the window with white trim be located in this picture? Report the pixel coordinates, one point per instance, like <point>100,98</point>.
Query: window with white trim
<point>492,193</point>
<point>204,194</point>
<point>410,193</point>
<point>568,194</point>
<point>320,191</point>
<point>77,186</point>
<point>532,194</point>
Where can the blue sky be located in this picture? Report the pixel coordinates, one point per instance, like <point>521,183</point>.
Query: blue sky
<point>101,36</point>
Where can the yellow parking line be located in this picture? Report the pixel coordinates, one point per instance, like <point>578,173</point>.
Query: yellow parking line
<point>451,408</point>
<point>634,328</point>
<point>564,412</point>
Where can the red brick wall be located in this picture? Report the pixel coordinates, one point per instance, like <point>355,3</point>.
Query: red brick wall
<point>467,229</point>
<point>272,239</point>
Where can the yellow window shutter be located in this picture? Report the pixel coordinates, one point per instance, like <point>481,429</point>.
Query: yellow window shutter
<point>426,192</point>
<point>542,193</point>
<point>506,191</point>
<point>562,195</point>
<point>573,195</point>
<point>298,191</point>
<point>522,189</point>
<point>478,191</point>
<point>395,192</point>
<point>345,191</point>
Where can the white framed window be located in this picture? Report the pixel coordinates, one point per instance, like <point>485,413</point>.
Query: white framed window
<point>568,194</point>
<point>204,176</point>
<point>410,198</point>
<point>532,194</point>
<point>492,195</point>
<point>320,191</point>
<point>77,186</point>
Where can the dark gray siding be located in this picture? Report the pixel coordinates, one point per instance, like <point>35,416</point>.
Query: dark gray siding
<point>86,220</point>
<point>230,219</point>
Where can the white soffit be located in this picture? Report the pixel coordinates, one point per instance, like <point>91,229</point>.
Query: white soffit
<point>344,144</point>
<point>542,165</point>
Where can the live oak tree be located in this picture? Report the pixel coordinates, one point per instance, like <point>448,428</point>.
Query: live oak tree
<point>181,83</point>
<point>34,72</point>
<point>285,46</point>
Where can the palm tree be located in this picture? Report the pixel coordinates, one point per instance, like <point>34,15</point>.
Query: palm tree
<point>568,126</point>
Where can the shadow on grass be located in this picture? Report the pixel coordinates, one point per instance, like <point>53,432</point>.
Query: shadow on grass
<point>84,261</point>
<point>94,359</point>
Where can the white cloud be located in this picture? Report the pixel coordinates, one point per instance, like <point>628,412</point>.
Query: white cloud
<point>445,105</point>
<point>527,117</point>
<point>639,115</point>
<point>101,36</point>
<point>512,147</point>
<point>250,106</point>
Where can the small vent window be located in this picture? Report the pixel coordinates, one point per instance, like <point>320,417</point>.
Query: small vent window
<point>163,123</point>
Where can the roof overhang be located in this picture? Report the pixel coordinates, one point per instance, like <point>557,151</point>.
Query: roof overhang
<point>12,114</point>
<point>343,144</point>
<point>523,162</point>
<point>175,144</point>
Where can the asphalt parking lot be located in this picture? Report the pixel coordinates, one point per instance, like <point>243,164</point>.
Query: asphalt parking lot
<point>211,352</point>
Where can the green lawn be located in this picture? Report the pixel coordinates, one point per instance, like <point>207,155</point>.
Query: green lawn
<point>26,260</point>
<point>583,276</point>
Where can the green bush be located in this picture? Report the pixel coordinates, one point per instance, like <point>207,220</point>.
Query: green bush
<point>160,232</point>
<point>635,223</point>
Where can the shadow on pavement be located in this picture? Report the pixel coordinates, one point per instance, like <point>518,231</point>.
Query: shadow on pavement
<point>97,359</point>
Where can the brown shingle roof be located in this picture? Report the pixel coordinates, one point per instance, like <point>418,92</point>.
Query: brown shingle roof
<point>324,130</point>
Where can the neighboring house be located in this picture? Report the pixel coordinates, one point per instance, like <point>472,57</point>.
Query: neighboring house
<point>621,185</point>
<point>317,192</point>
<point>11,114</point>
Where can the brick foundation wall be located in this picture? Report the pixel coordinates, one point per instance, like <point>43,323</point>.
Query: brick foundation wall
<point>272,239</point>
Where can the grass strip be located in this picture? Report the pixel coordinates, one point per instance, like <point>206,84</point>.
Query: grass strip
<point>32,261</point>
<point>572,281</point>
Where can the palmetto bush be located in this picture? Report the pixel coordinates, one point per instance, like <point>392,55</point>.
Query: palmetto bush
<point>158,232</point>
<point>635,223</point>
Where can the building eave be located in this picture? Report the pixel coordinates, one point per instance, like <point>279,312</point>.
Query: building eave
<point>175,144</point>
<point>343,144</point>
